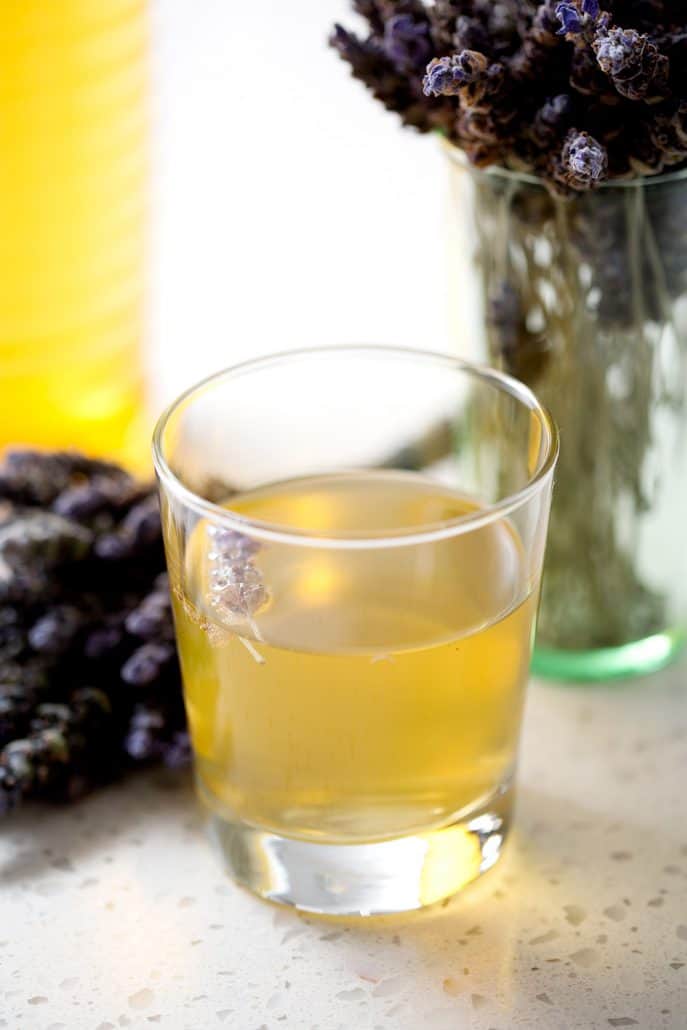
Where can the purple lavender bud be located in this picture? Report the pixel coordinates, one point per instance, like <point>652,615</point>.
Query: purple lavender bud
<point>634,64</point>
<point>151,620</point>
<point>232,546</point>
<point>616,50</point>
<point>51,714</point>
<point>471,34</point>
<point>55,631</point>
<point>142,742</point>
<point>584,160</point>
<point>112,547</point>
<point>82,501</point>
<point>570,17</point>
<point>587,158</point>
<point>236,591</point>
<point>446,76</point>
<point>143,522</point>
<point>177,752</point>
<point>136,534</point>
<point>546,24</point>
<point>144,665</point>
<point>102,641</point>
<point>591,7</point>
<point>161,582</point>
<point>552,120</point>
<point>406,43</point>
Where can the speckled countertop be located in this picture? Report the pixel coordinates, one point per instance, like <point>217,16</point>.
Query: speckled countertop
<point>116,913</point>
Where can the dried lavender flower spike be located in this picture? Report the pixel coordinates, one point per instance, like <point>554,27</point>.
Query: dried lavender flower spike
<point>583,162</point>
<point>446,76</point>
<point>66,621</point>
<point>633,63</point>
<point>495,67</point>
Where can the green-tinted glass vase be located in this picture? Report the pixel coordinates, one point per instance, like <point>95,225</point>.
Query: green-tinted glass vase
<point>585,300</point>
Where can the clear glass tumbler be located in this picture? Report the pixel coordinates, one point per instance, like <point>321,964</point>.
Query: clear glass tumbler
<point>355,538</point>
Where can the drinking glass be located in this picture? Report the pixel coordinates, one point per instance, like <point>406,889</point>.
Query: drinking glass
<point>355,538</point>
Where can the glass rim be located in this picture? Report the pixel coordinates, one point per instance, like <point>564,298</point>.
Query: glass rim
<point>277,533</point>
<point>460,158</point>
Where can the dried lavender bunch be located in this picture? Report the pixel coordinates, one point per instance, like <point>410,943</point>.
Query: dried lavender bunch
<point>576,91</point>
<point>584,289</point>
<point>89,678</point>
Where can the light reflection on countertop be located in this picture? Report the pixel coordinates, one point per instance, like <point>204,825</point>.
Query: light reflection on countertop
<point>116,914</point>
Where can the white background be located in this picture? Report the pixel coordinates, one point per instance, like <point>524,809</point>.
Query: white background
<point>290,209</point>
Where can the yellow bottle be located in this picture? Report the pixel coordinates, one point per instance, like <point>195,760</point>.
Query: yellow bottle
<point>73,128</point>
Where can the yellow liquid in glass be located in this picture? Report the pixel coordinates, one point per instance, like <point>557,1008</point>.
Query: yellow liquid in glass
<point>73,87</point>
<point>374,693</point>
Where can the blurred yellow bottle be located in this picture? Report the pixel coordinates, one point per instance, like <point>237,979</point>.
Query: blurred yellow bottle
<point>73,176</point>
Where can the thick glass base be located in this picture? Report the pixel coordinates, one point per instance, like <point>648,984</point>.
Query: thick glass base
<point>636,659</point>
<point>380,878</point>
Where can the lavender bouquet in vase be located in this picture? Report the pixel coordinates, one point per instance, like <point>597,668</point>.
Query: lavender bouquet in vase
<point>565,128</point>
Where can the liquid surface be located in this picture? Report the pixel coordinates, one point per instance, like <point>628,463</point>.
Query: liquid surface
<point>72,186</point>
<point>360,694</point>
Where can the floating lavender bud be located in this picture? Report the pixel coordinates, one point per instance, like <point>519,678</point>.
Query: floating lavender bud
<point>236,587</point>
<point>237,591</point>
<point>231,546</point>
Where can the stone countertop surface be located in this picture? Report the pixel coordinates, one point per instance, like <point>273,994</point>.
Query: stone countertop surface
<point>116,913</point>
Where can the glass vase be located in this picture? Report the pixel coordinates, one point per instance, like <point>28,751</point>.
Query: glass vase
<point>584,298</point>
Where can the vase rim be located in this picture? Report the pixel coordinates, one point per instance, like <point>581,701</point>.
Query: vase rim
<point>459,157</point>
